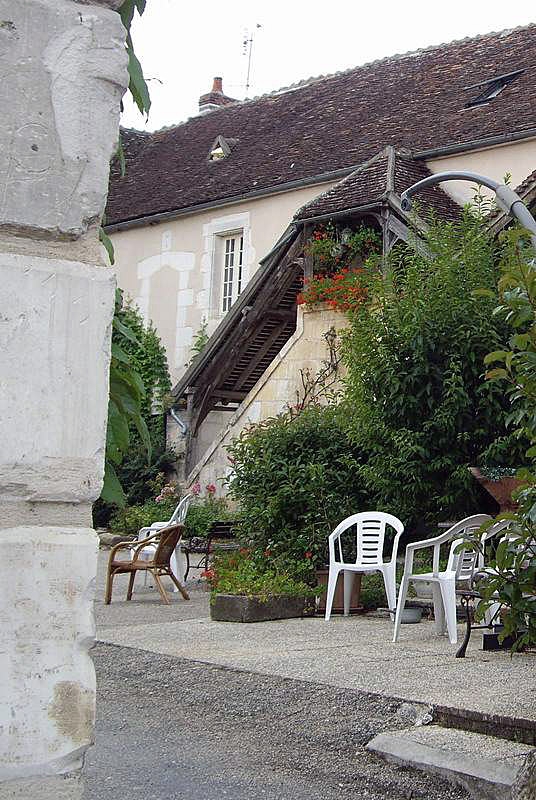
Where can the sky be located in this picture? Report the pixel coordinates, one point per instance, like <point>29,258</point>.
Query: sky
<point>183,44</point>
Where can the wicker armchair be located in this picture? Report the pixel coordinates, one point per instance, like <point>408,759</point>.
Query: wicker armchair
<point>166,541</point>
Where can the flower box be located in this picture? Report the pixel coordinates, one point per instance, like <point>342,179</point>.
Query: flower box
<point>240,608</point>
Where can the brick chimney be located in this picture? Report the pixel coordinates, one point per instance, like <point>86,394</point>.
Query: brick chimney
<point>215,98</point>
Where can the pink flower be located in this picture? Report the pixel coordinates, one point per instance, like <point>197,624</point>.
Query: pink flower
<point>196,489</point>
<point>211,489</point>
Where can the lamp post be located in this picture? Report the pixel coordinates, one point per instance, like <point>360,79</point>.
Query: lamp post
<point>507,199</point>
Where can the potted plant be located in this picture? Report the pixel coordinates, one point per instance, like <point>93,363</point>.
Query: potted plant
<point>246,586</point>
<point>500,483</point>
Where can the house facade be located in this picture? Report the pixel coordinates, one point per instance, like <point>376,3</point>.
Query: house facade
<point>210,220</point>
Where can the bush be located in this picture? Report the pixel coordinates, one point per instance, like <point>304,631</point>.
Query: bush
<point>295,478</point>
<point>203,511</point>
<point>251,574</point>
<point>415,401</point>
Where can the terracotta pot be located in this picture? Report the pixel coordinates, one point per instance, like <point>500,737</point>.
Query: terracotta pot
<point>501,490</point>
<point>338,599</point>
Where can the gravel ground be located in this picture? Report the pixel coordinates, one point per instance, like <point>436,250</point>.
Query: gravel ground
<point>169,728</point>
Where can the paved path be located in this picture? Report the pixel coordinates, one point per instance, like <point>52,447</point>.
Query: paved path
<point>354,653</point>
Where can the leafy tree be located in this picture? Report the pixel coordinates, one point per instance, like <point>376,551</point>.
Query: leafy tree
<point>415,400</point>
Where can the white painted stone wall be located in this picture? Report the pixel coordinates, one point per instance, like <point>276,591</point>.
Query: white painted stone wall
<point>62,73</point>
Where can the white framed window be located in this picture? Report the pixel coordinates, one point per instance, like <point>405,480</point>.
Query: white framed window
<point>232,264</point>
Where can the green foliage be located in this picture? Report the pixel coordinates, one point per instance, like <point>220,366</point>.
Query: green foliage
<point>372,591</point>
<point>415,401</point>
<point>127,395</point>
<point>148,357</point>
<point>200,340</point>
<point>137,85</point>
<point>139,384</point>
<point>333,249</point>
<point>201,513</point>
<point>511,580</point>
<point>295,478</point>
<point>517,306</point>
<point>250,573</point>
<point>129,520</point>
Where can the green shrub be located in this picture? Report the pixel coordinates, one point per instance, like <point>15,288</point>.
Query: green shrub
<point>373,591</point>
<point>415,400</point>
<point>295,478</point>
<point>252,574</point>
<point>203,511</point>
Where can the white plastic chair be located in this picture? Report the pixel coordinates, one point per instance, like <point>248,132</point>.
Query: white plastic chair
<point>370,537</point>
<point>460,567</point>
<point>177,518</point>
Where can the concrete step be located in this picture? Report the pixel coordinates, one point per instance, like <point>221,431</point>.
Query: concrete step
<point>484,765</point>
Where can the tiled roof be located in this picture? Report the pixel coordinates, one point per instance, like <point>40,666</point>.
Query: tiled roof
<point>390,170</point>
<point>327,124</point>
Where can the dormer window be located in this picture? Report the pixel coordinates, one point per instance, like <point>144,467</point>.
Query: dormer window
<point>221,148</point>
<point>491,88</point>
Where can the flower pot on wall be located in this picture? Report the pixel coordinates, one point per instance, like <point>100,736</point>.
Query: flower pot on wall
<point>500,489</point>
<point>338,598</point>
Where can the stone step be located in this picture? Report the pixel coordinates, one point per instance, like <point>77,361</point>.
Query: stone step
<point>485,766</point>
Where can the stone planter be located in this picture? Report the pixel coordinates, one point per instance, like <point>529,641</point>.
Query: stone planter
<point>238,608</point>
<point>501,490</point>
<point>338,599</point>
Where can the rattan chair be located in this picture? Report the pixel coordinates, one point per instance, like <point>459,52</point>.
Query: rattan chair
<point>166,541</point>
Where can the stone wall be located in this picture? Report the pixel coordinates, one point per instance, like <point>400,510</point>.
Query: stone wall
<point>63,72</point>
<point>306,350</point>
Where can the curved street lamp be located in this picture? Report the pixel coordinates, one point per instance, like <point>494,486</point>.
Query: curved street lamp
<point>507,199</point>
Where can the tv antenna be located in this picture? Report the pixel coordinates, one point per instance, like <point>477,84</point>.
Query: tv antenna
<point>247,45</point>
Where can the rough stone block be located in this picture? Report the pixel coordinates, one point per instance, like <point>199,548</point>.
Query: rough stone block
<point>48,680</point>
<point>63,72</point>
<point>55,328</point>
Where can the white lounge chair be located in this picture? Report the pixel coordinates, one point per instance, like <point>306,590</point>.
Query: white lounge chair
<point>370,538</point>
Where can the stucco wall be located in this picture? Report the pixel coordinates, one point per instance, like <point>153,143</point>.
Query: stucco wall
<point>168,269</point>
<point>306,350</point>
<point>518,159</point>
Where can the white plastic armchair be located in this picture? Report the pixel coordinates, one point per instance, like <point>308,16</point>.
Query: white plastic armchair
<point>460,567</point>
<point>370,538</point>
<point>177,518</point>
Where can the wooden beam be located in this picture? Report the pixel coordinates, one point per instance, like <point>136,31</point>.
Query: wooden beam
<point>229,394</point>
